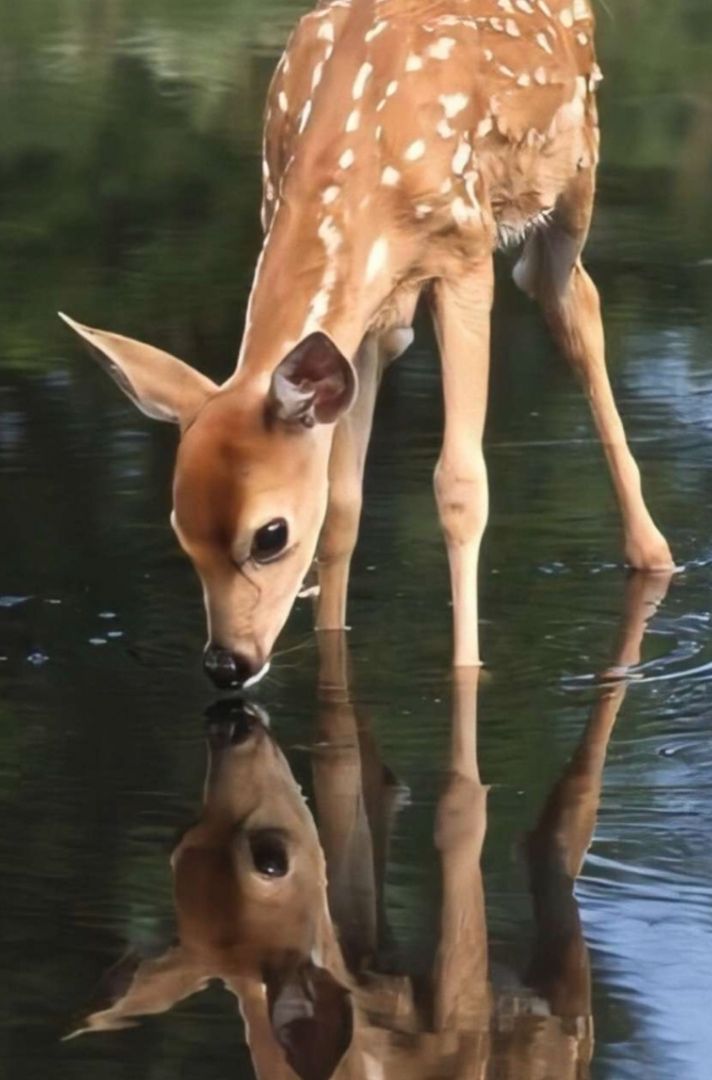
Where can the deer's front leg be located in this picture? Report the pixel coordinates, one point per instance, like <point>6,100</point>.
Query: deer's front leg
<point>343,515</point>
<point>346,468</point>
<point>462,312</point>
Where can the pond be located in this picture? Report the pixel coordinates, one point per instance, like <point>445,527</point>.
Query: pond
<point>129,191</point>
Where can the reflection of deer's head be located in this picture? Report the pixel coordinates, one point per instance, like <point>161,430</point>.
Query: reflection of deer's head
<point>252,910</point>
<point>250,893</point>
<point>253,855</point>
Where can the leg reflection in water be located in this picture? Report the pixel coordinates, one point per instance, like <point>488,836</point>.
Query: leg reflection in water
<point>289,918</point>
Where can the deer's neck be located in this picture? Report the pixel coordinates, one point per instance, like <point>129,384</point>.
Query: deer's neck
<point>325,265</point>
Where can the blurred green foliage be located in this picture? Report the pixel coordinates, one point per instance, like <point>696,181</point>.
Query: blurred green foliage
<point>129,196</point>
<point>129,143</point>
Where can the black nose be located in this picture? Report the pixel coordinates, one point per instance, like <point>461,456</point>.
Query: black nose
<point>232,721</point>
<point>226,669</point>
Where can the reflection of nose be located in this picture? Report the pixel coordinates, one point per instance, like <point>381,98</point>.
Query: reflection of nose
<point>227,669</point>
<point>233,721</point>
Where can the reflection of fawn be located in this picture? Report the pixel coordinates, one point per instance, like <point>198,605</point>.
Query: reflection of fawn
<point>255,912</point>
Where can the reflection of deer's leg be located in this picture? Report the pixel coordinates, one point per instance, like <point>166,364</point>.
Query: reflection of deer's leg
<point>338,788</point>
<point>462,310</point>
<point>383,797</point>
<point>346,468</point>
<point>355,797</point>
<point>558,844</point>
<point>461,986</point>
<point>551,271</point>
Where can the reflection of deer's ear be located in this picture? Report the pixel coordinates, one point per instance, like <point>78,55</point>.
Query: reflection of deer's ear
<point>312,1018</point>
<point>135,988</point>
<point>163,387</point>
<point>314,383</point>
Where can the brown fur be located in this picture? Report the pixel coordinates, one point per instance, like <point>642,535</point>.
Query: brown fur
<point>405,141</point>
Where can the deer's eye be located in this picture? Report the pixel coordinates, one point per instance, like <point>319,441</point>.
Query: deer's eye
<point>269,853</point>
<point>270,541</point>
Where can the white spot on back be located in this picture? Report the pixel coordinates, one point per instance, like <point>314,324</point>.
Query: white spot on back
<point>442,48</point>
<point>415,151</point>
<point>453,104</point>
<point>462,213</point>
<point>331,239</point>
<point>377,259</point>
<point>461,157</point>
<point>306,113</point>
<point>361,79</point>
<point>376,30</point>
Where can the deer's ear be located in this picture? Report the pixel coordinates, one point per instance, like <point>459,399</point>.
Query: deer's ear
<point>314,383</point>
<point>312,1018</point>
<point>163,387</point>
<point>137,987</point>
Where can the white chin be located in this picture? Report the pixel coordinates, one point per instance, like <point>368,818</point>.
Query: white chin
<point>254,679</point>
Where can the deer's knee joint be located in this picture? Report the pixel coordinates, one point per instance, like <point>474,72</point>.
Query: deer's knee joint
<point>462,500</point>
<point>340,532</point>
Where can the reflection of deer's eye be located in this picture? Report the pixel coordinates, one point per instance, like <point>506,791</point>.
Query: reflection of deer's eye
<point>270,541</point>
<point>269,854</point>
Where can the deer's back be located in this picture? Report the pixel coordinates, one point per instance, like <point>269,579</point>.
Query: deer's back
<point>477,111</point>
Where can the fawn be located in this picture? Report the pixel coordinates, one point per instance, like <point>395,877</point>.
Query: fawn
<point>405,142</point>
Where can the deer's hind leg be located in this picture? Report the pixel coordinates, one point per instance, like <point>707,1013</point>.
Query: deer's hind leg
<point>551,272</point>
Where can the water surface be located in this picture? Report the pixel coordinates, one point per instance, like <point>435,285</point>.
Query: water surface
<point>129,185</point>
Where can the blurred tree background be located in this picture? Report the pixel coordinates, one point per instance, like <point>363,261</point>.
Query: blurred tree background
<point>130,145</point>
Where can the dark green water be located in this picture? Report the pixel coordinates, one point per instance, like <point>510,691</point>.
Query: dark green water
<point>129,182</point>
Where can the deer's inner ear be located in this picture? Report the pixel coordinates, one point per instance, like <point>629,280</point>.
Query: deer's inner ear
<point>312,1018</point>
<point>314,384</point>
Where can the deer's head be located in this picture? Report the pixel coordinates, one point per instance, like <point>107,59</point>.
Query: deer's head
<point>250,485</point>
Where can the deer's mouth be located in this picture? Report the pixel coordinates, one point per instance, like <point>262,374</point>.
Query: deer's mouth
<point>254,679</point>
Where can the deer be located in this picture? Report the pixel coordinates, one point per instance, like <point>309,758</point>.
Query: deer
<point>288,915</point>
<point>405,143</point>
